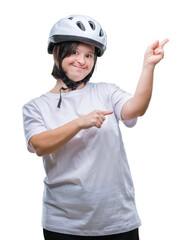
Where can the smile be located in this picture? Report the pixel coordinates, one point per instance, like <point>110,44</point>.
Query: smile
<point>78,67</point>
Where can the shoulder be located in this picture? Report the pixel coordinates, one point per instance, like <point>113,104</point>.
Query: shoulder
<point>108,90</point>
<point>36,102</point>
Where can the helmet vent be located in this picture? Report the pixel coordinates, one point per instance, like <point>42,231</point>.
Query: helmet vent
<point>92,25</point>
<point>101,33</point>
<point>81,26</point>
<point>70,18</point>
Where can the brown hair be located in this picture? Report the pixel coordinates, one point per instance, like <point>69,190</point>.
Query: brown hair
<point>57,54</point>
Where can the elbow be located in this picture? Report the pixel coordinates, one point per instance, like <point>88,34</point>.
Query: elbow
<point>39,150</point>
<point>133,110</point>
<point>39,145</point>
<point>43,150</point>
<point>133,114</point>
<point>141,113</point>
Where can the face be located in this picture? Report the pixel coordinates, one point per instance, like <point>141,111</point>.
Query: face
<point>80,63</point>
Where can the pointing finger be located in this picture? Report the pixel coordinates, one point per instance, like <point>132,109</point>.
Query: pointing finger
<point>107,112</point>
<point>163,42</point>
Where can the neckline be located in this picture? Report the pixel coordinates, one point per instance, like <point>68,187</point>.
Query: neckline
<point>71,93</point>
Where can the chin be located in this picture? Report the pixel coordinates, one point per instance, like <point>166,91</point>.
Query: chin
<point>76,79</point>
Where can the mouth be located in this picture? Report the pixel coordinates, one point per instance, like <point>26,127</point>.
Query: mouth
<point>78,67</point>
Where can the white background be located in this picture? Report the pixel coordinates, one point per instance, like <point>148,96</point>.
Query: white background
<point>158,148</point>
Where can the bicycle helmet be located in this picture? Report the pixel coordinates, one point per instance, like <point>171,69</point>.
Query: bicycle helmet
<point>78,28</point>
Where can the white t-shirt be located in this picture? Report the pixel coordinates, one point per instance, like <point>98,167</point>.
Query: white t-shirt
<point>88,189</point>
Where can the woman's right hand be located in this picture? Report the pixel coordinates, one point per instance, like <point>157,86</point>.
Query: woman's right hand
<point>93,119</point>
<point>53,140</point>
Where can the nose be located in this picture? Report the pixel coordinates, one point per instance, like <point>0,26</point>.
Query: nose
<point>81,59</point>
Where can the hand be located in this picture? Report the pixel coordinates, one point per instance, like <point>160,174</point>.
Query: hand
<point>155,53</point>
<point>93,119</point>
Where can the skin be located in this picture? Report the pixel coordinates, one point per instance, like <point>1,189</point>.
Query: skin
<point>138,105</point>
<point>79,65</point>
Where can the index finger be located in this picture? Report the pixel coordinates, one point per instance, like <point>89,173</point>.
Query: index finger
<point>107,112</point>
<point>163,42</point>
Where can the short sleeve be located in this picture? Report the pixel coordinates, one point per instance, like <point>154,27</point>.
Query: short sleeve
<point>33,122</point>
<point>119,97</point>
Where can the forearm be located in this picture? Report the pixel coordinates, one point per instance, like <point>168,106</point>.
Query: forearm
<point>138,104</point>
<point>144,89</point>
<point>51,141</point>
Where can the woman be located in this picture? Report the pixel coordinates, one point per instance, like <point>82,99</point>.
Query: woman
<point>88,190</point>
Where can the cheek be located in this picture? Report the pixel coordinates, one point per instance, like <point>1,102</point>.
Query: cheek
<point>91,65</point>
<point>63,65</point>
<point>66,62</point>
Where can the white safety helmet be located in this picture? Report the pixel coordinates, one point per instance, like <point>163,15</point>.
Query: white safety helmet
<point>78,28</point>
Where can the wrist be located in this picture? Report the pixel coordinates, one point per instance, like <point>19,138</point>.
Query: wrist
<point>79,123</point>
<point>148,66</point>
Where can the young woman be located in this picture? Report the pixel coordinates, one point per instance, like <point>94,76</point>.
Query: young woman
<point>88,189</point>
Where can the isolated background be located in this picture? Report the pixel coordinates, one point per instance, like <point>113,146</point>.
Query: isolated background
<point>158,148</point>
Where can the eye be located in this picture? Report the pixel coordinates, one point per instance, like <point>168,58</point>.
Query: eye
<point>89,55</point>
<point>74,52</point>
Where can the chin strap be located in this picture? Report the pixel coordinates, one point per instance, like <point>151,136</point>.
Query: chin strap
<point>60,100</point>
<point>64,89</point>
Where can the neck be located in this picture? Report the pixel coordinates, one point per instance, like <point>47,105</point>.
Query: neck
<point>60,84</point>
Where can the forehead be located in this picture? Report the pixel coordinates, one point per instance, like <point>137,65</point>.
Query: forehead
<point>86,47</point>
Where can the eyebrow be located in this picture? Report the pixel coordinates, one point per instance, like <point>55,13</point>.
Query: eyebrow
<point>91,51</point>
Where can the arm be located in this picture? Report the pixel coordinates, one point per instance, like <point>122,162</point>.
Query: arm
<point>50,141</point>
<point>138,105</point>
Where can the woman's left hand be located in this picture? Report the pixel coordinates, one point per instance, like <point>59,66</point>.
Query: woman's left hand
<point>155,52</point>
